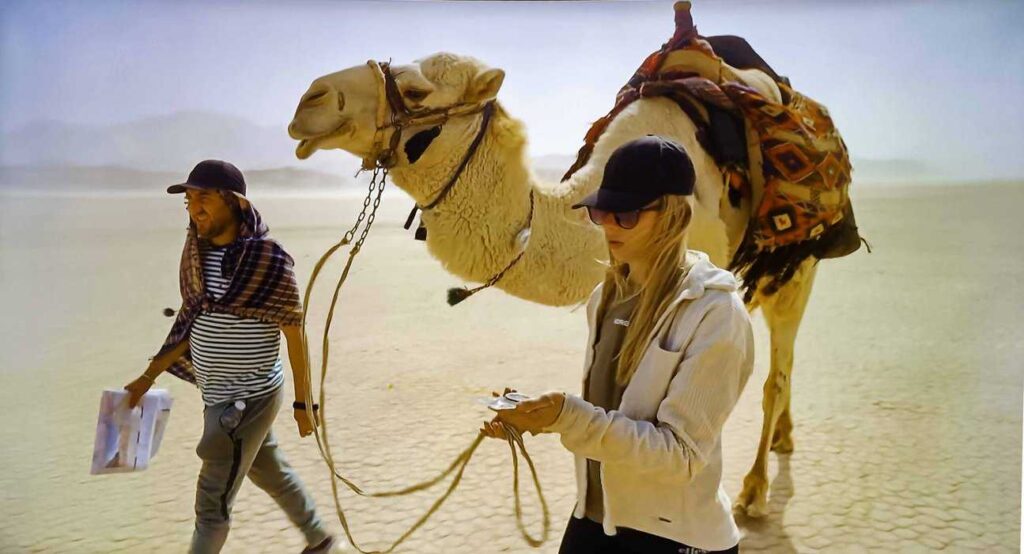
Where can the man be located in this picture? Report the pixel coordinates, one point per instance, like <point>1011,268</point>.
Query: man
<point>239,293</point>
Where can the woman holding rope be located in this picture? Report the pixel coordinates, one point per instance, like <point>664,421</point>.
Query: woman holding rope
<point>669,353</point>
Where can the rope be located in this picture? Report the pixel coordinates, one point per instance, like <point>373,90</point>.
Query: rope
<point>365,220</point>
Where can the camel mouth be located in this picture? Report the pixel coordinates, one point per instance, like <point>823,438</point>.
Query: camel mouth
<point>308,145</point>
<point>305,148</point>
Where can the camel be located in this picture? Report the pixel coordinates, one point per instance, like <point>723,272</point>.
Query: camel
<point>494,197</point>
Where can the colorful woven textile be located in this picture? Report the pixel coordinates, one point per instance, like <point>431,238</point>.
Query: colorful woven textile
<point>802,171</point>
<point>262,286</point>
<point>805,167</point>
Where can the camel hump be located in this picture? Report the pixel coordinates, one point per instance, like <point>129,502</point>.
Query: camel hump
<point>737,52</point>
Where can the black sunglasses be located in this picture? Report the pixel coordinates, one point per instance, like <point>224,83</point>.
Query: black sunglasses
<point>626,220</point>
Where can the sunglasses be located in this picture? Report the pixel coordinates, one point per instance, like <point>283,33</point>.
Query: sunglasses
<point>626,220</point>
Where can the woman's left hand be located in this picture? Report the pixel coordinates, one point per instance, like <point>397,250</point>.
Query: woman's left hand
<point>535,414</point>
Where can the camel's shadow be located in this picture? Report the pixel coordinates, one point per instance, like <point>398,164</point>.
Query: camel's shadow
<point>767,534</point>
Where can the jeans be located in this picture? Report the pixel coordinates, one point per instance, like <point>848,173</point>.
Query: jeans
<point>238,442</point>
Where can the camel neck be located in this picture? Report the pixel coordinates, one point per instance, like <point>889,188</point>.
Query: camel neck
<point>495,172</point>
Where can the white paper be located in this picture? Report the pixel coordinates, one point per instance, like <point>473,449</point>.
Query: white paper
<point>127,439</point>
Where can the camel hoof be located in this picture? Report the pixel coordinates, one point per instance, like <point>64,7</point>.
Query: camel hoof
<point>757,510</point>
<point>753,500</point>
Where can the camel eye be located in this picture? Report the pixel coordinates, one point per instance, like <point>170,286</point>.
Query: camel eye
<point>416,95</point>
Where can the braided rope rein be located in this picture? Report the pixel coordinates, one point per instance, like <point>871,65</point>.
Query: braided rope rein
<point>365,221</point>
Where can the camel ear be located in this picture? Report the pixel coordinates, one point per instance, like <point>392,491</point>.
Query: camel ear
<point>485,86</point>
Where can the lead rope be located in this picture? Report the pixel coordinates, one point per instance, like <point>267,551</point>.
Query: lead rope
<point>458,466</point>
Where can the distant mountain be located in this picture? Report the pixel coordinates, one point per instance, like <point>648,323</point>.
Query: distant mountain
<point>291,179</point>
<point>173,142</point>
<point>123,179</point>
<point>163,149</point>
<point>870,171</point>
<point>865,170</point>
<point>559,162</point>
<point>550,167</point>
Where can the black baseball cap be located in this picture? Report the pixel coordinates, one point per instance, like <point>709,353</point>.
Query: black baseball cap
<point>641,171</point>
<point>212,175</point>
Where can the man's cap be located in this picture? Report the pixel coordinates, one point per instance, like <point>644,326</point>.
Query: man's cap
<point>212,175</point>
<point>641,171</point>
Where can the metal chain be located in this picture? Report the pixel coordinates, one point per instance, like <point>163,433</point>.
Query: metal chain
<point>377,195</point>
<point>347,238</point>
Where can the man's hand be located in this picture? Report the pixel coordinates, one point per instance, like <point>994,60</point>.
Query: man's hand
<point>303,417</point>
<point>298,358</point>
<point>535,414</point>
<point>157,365</point>
<point>136,389</point>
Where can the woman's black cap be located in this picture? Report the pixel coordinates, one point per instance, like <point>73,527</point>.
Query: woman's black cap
<point>212,175</point>
<point>641,171</point>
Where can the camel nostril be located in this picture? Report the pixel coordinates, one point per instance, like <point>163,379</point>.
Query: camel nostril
<point>317,93</point>
<point>320,94</point>
<point>314,97</point>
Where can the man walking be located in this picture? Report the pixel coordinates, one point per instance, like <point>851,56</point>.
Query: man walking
<point>239,294</point>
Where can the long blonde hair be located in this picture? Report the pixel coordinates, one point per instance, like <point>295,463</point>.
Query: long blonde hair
<point>667,245</point>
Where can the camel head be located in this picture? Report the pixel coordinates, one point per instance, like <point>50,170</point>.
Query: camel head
<point>422,113</point>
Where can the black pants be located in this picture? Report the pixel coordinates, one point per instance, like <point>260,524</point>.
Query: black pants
<point>583,536</point>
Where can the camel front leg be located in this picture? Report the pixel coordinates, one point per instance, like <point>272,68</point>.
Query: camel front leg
<point>782,439</point>
<point>783,312</point>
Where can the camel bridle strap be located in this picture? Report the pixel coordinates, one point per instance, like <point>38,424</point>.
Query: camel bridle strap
<point>389,101</point>
<point>394,116</point>
<point>488,110</point>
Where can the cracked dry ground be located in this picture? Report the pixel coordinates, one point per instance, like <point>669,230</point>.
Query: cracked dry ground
<point>907,386</point>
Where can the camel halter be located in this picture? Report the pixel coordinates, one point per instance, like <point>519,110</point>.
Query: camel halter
<point>389,101</point>
<point>380,163</point>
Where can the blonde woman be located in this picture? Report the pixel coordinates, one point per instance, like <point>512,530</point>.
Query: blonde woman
<point>669,353</point>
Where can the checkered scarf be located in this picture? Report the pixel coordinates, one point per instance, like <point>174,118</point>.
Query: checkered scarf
<point>261,285</point>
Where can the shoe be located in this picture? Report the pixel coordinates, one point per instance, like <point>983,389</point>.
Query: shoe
<point>325,546</point>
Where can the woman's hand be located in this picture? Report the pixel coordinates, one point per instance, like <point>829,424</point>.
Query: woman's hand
<point>494,428</point>
<point>535,414</point>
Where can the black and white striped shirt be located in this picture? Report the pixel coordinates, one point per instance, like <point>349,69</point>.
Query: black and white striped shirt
<point>234,357</point>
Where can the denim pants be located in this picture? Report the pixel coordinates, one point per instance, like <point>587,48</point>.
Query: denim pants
<point>237,442</point>
<point>583,536</point>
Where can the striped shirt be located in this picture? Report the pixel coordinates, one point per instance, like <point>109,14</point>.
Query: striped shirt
<point>234,357</point>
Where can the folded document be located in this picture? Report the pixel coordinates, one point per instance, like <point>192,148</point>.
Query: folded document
<point>128,438</point>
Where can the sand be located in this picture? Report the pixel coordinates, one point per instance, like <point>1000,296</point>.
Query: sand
<point>907,388</point>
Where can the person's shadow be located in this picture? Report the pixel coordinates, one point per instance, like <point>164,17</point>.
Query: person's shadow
<point>767,534</point>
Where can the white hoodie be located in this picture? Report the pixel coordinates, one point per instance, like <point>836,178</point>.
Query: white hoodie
<point>661,451</point>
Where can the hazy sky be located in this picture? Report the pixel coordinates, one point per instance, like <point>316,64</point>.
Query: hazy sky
<point>940,82</point>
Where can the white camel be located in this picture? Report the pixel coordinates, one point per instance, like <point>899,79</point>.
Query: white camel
<point>475,229</point>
